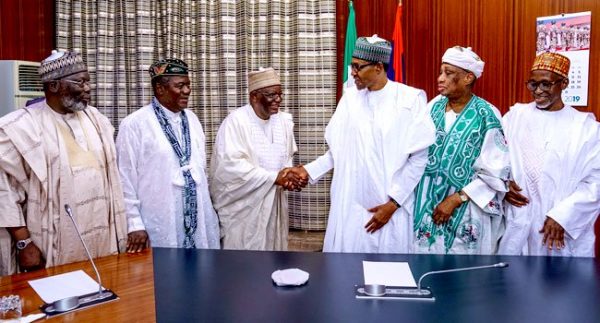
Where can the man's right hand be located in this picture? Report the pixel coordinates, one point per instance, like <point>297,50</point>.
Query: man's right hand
<point>137,241</point>
<point>298,176</point>
<point>30,258</point>
<point>292,178</point>
<point>281,179</point>
<point>514,197</point>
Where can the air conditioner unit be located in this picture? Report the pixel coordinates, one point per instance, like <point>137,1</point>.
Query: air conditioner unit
<point>19,82</point>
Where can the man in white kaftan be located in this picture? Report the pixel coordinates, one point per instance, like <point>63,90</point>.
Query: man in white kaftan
<point>253,146</point>
<point>554,197</point>
<point>56,152</point>
<point>378,139</point>
<point>458,201</point>
<point>153,177</point>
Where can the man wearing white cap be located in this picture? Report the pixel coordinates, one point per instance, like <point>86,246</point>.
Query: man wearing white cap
<point>56,152</point>
<point>253,146</point>
<point>378,139</point>
<point>554,193</point>
<point>162,161</point>
<point>458,203</point>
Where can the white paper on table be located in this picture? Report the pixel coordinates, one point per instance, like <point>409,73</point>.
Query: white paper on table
<point>53,288</point>
<point>31,318</point>
<point>388,273</point>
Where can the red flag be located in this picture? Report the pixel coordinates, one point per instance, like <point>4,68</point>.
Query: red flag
<point>398,50</point>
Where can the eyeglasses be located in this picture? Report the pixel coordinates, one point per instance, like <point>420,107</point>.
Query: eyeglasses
<point>357,68</point>
<point>272,96</point>
<point>543,85</point>
<point>80,83</point>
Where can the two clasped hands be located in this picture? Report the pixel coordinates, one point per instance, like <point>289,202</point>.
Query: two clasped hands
<point>292,178</point>
<point>296,178</point>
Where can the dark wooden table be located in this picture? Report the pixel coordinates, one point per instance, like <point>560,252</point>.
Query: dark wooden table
<point>236,286</point>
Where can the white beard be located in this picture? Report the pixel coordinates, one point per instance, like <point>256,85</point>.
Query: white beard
<point>543,107</point>
<point>70,104</point>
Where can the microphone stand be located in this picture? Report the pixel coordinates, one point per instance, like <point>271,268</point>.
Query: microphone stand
<point>426,292</point>
<point>101,294</point>
<point>70,303</point>
<point>411,293</point>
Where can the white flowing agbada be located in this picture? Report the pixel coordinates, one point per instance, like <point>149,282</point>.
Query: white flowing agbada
<point>555,159</point>
<point>153,182</point>
<point>248,154</point>
<point>378,144</point>
<point>482,223</point>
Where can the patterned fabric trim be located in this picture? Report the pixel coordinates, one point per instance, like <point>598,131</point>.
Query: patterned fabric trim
<point>450,165</point>
<point>190,196</point>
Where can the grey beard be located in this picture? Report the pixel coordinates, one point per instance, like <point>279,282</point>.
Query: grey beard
<point>544,107</point>
<point>70,104</point>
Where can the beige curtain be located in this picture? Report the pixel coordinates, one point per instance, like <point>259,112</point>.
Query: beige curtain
<point>221,41</point>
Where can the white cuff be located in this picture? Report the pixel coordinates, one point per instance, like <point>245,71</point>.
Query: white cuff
<point>135,223</point>
<point>479,192</point>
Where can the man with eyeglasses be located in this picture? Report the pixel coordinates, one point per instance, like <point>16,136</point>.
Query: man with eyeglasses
<point>554,195</point>
<point>458,207</point>
<point>55,152</point>
<point>378,139</point>
<point>162,160</point>
<point>254,146</point>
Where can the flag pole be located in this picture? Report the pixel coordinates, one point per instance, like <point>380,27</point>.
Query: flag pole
<point>350,40</point>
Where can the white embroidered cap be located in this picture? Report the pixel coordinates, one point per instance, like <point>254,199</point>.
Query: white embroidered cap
<point>465,58</point>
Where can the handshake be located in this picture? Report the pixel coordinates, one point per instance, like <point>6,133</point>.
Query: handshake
<point>292,178</point>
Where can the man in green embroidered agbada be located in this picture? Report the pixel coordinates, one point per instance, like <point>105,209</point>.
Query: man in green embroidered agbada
<point>458,201</point>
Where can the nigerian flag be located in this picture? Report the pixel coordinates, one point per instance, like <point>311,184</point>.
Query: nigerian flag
<point>349,46</point>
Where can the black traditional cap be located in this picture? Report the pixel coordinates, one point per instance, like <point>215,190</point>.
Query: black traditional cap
<point>168,67</point>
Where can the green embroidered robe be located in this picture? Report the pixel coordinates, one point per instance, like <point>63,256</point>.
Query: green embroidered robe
<point>470,155</point>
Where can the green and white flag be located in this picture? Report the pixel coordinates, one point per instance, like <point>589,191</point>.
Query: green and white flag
<point>349,46</point>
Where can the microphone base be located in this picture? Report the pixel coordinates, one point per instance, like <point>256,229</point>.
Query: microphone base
<point>84,301</point>
<point>397,293</point>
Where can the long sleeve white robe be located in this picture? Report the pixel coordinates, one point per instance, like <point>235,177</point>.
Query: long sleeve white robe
<point>153,181</point>
<point>253,211</point>
<point>555,159</point>
<point>378,144</point>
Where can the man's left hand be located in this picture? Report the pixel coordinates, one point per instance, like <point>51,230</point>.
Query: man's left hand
<point>443,212</point>
<point>382,215</point>
<point>554,234</point>
<point>137,241</point>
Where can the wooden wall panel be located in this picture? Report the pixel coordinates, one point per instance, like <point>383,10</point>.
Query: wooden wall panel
<point>420,71</point>
<point>26,29</point>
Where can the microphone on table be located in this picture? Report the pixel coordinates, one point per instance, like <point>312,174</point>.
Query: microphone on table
<point>384,292</point>
<point>101,294</point>
<point>67,304</point>
<point>435,272</point>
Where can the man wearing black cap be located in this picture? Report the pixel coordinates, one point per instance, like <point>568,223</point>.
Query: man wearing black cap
<point>162,161</point>
<point>378,139</point>
<point>55,152</point>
